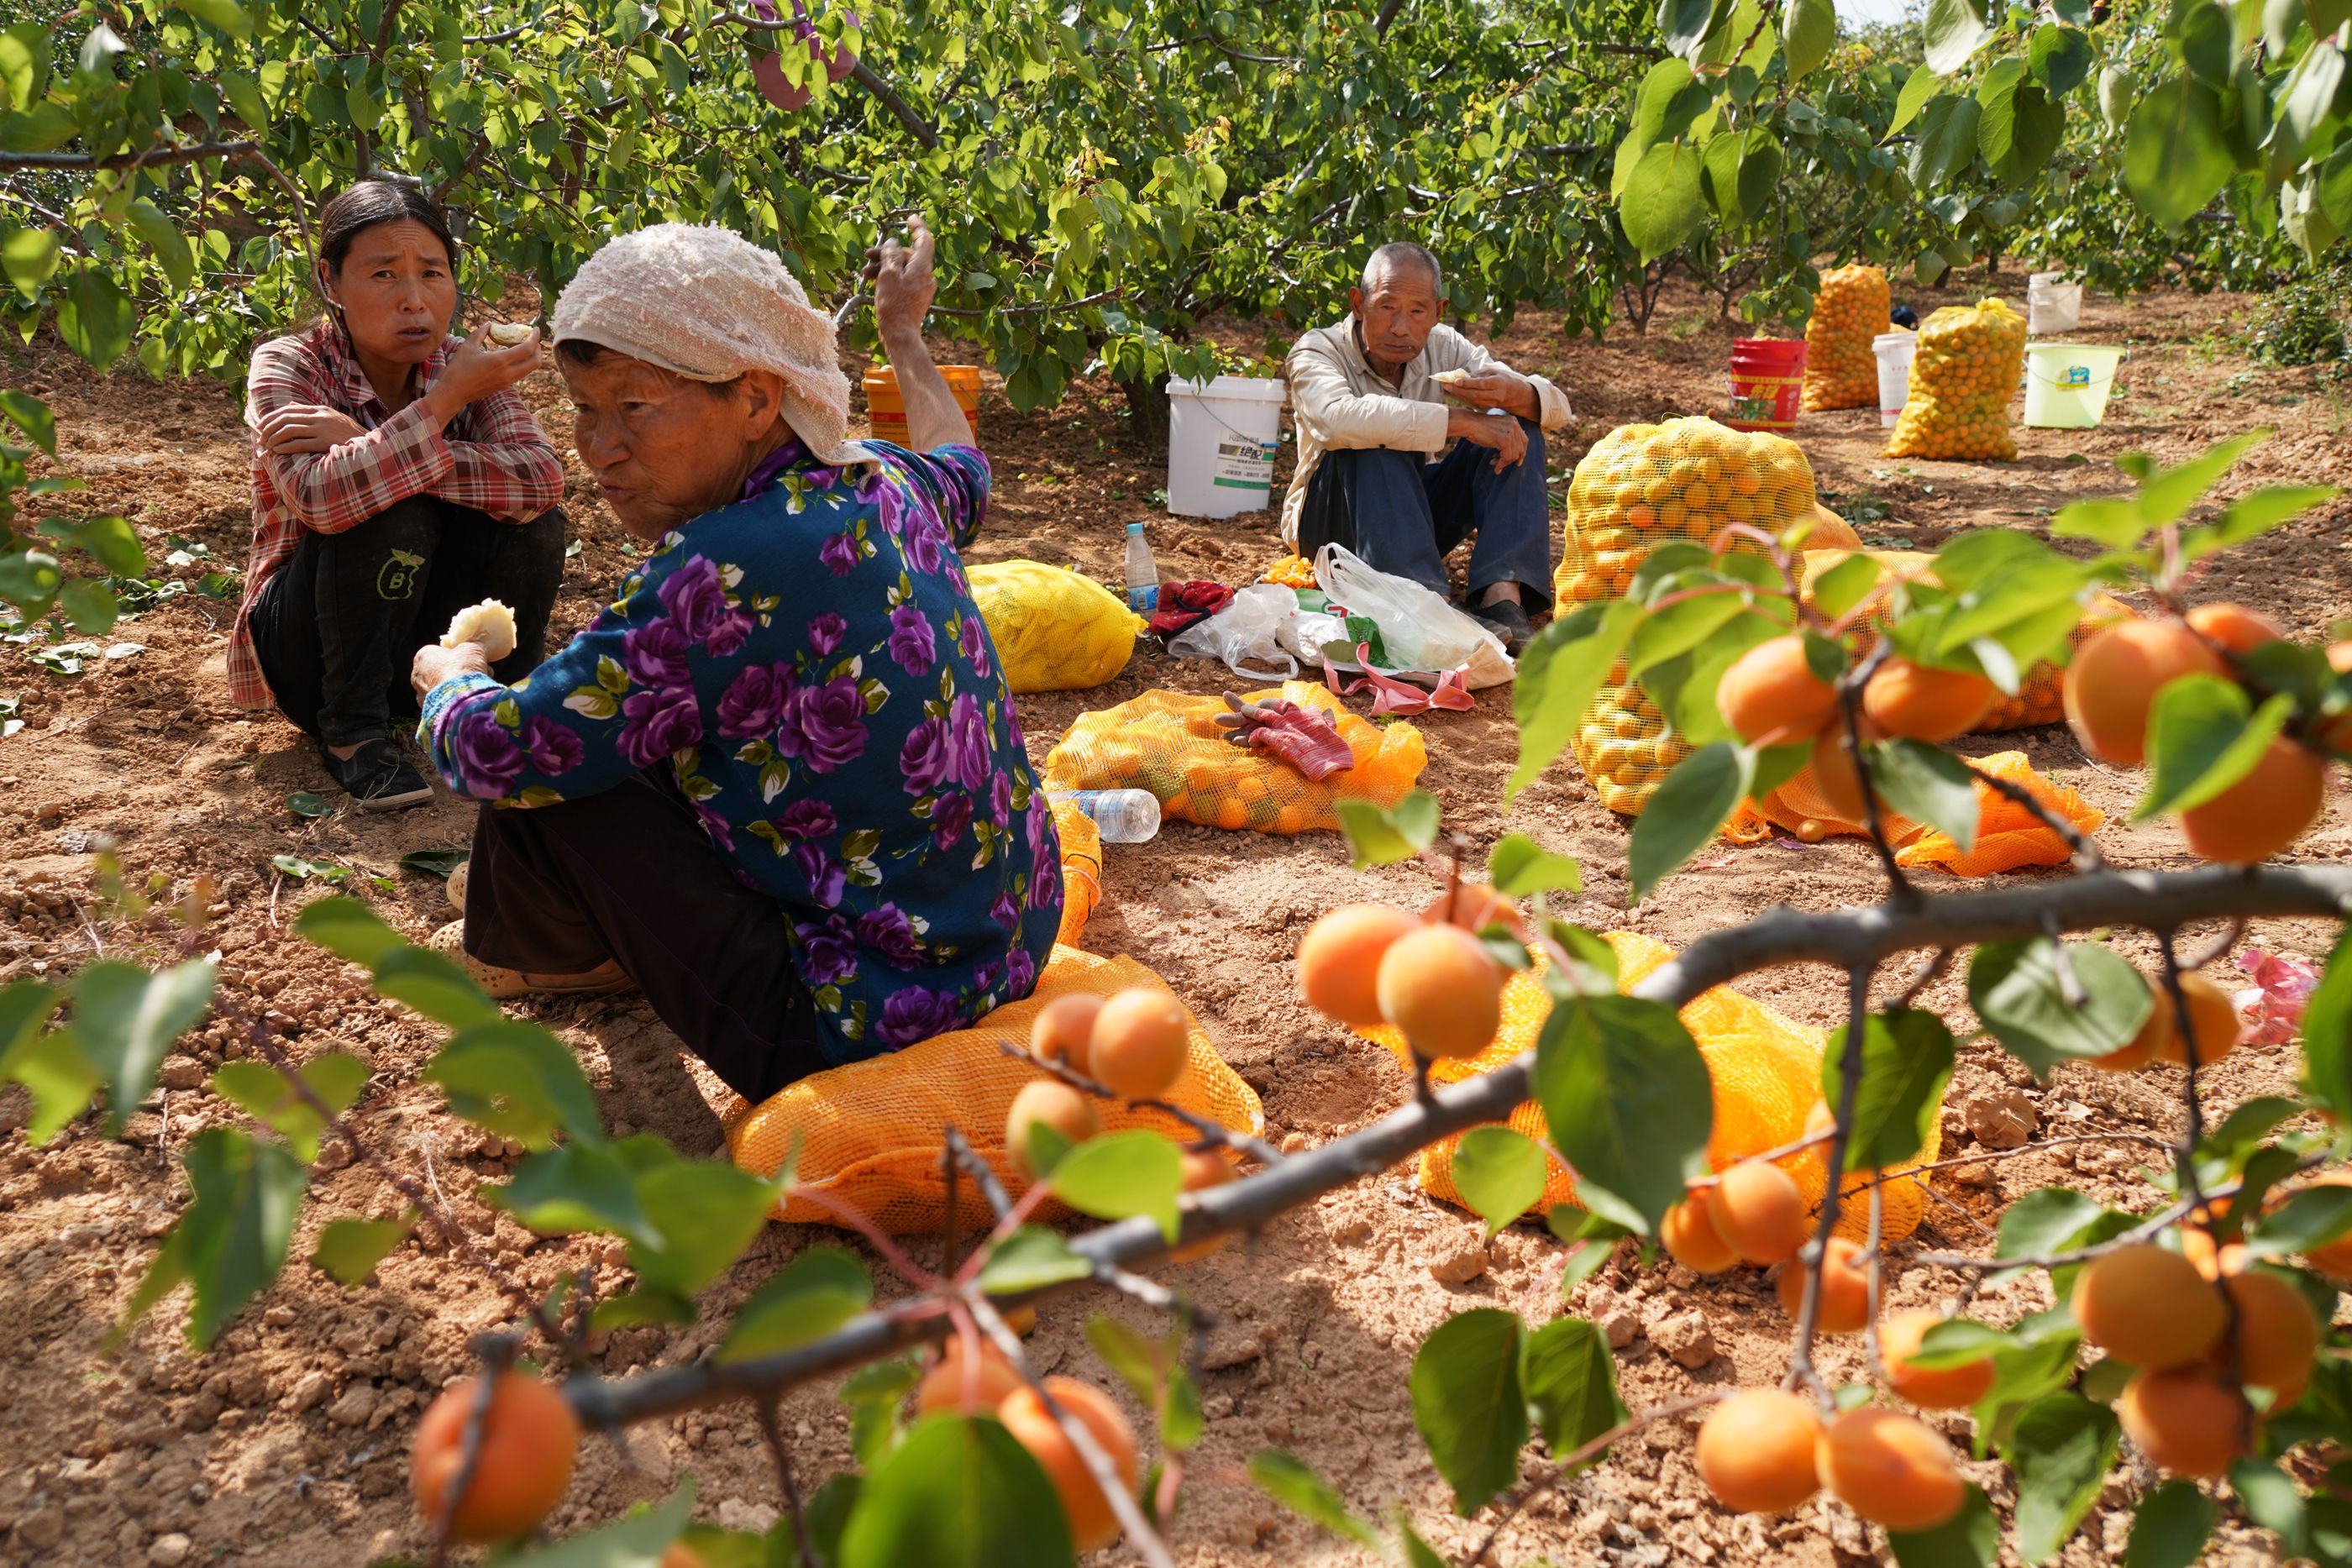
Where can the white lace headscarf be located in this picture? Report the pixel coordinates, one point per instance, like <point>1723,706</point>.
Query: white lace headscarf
<point>707,304</point>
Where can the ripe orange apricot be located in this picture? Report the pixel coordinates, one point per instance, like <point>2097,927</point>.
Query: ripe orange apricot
<point>1770,694</point>
<point>1339,961</point>
<point>2334,1258</point>
<point>1939,1388</point>
<point>1757,1451</point>
<point>681,1556</point>
<point>2187,1420</point>
<point>1203,1168</point>
<point>2114,679</point>
<point>1845,1290</point>
<point>529,1439</point>
<point>1835,774</point>
<point>1691,1239</point>
<point>2211,1259</point>
<point>1092,1523</point>
<point>942,1387</point>
<point>2263,812</point>
<point>1443,990</point>
<point>1478,905</point>
<point>2233,626</point>
<point>1758,1209</point>
<point>1140,1044</point>
<point>1062,1029</point>
<point>1891,1468</point>
<point>2212,1022</point>
<point>2274,1335</point>
<point>2148,1306</point>
<point>2155,1036</point>
<point>1056,1105</point>
<point>1919,703</point>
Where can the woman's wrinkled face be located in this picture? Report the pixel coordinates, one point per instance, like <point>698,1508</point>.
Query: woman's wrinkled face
<point>397,291</point>
<point>665,449</point>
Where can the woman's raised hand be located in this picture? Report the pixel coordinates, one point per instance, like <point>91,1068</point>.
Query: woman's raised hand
<point>904,283</point>
<point>478,369</point>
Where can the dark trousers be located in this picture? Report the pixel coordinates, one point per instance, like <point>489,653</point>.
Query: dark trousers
<point>629,875</point>
<point>1404,516</point>
<point>337,626</point>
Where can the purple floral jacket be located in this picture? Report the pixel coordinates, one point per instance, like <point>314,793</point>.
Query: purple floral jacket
<point>810,663</point>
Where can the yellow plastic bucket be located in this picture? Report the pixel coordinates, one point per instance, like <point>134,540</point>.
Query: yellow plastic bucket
<point>885,412</point>
<point>2067,384</point>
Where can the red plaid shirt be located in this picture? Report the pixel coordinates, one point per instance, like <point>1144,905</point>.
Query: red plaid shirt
<point>493,457</point>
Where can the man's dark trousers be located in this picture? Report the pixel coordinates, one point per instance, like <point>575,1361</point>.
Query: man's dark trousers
<point>1402,515</point>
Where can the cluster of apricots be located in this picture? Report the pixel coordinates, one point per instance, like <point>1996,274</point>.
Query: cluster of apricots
<point>2111,687</point>
<point>2211,1030</point>
<point>1426,975</point>
<point>970,1385</point>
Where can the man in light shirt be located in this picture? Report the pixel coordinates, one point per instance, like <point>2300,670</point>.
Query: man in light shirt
<point>1369,400</point>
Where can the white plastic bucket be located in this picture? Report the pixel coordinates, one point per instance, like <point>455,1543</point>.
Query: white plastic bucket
<point>2067,384</point>
<point>1222,438</point>
<point>2053,304</point>
<point>1894,350</point>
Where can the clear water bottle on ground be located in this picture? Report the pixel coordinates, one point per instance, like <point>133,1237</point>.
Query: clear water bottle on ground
<point>1124,815</point>
<point>1142,574</point>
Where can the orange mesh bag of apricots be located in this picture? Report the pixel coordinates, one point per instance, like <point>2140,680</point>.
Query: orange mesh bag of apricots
<point>870,1132</point>
<point>2008,837</point>
<point>1169,742</point>
<point>1841,366</point>
<point>1081,870</point>
<point>1765,1067</point>
<point>1640,486</point>
<point>1971,362</point>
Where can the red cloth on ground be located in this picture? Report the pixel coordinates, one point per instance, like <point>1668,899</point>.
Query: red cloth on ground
<point>1183,603</point>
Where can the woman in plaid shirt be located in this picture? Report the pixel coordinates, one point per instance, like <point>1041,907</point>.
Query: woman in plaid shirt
<point>397,477</point>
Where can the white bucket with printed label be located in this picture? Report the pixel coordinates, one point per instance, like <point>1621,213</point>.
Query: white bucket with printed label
<point>1222,436</point>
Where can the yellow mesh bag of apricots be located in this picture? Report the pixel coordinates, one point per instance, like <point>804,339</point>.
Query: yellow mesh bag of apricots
<point>1971,362</point>
<point>1639,485</point>
<point>1053,630</point>
<point>870,1132</point>
<point>1841,366</point>
<point>1081,870</point>
<point>1169,742</point>
<point>1765,1069</point>
<point>2008,837</point>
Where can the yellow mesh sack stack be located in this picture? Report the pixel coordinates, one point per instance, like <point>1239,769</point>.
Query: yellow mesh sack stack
<point>1971,362</point>
<point>1765,1069</point>
<point>2008,837</point>
<point>1053,630</point>
<point>1169,742</point>
<point>1841,367</point>
<point>870,1132</point>
<point>1640,486</point>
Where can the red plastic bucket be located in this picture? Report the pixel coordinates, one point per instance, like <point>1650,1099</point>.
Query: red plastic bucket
<point>1767,383</point>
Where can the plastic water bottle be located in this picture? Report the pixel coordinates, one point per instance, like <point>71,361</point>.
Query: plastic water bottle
<point>1142,576</point>
<point>1124,815</point>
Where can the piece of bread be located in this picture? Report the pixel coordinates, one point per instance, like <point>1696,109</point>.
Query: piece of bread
<point>489,624</point>
<point>506,334</point>
<point>1450,377</point>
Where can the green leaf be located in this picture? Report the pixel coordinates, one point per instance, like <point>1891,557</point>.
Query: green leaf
<point>60,1077</point>
<point>2170,1528</point>
<point>1141,1363</point>
<point>1846,584</point>
<point>350,1250</point>
<point>1970,1539</point>
<point>230,1241</point>
<point>24,63</point>
<point>1298,1489</point>
<point>1571,1380</point>
<point>701,1214</point>
<point>638,1540</point>
<point>1679,628</point>
<point>44,128</point>
<point>2174,159</point>
<point>1906,1059</point>
<point>433,862</point>
<point>1560,672</point>
<point>2020,127</point>
<point>575,1188</point>
<point>125,1020</point>
<point>1500,1175</point>
<point>1917,89</point>
<point>94,316</point>
<point>1808,34</point>
<point>1685,25</point>
<point>2170,492</point>
<point>31,415</point>
<point>114,543</point>
<point>1469,1405</point>
<point>516,1080</point>
<point>1957,1341</point>
<point>2116,522</point>
<point>1520,867</point>
<point>1119,1175</point>
<point>24,1007</point>
<point>2304,1221</point>
<point>1031,1258</point>
<point>30,579</point>
<point>1928,784</point>
<point>1629,1103</point>
<point>426,982</point>
<point>170,247</point>
<point>1376,837</point>
<point>311,807</point>
<point>2327,1032</point>
<point>2252,516</point>
<point>265,1093</point>
<point>344,926</point>
<point>2201,739</point>
<point>2061,57</point>
<point>2015,988</point>
<point>1663,206</point>
<point>225,14</point>
<point>2273,1501</point>
<point>2061,1448</point>
<point>874,1394</point>
<point>806,1300</point>
<point>2053,1219</point>
<point>89,605</point>
<point>1688,810</point>
<point>957,1493</point>
<point>1955,30</point>
<point>1946,141</point>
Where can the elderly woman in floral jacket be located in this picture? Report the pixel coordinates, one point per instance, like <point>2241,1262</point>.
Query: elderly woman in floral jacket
<point>777,783</point>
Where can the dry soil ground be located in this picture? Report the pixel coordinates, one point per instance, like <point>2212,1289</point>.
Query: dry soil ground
<point>284,1444</point>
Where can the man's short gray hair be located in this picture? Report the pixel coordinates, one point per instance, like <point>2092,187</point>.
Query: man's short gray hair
<point>1402,253</point>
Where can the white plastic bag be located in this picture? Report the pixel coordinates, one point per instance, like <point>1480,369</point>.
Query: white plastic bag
<point>1420,629</point>
<point>1246,636</point>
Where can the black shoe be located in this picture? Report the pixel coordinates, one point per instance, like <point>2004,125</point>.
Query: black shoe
<point>376,778</point>
<point>1508,621</point>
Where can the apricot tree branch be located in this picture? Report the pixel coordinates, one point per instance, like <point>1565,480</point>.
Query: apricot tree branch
<point>1211,1132</point>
